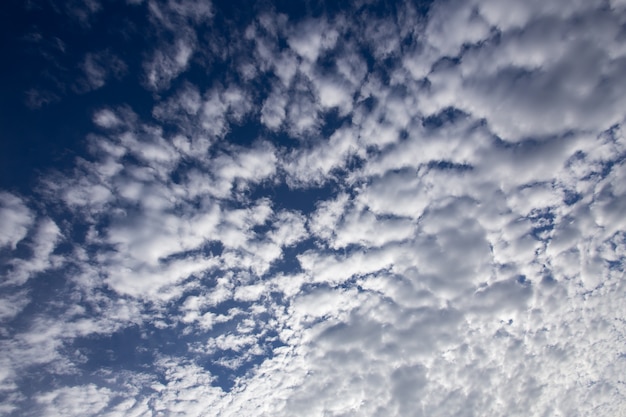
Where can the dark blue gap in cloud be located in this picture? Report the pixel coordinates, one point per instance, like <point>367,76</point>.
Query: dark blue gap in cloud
<point>449,115</point>
<point>332,121</point>
<point>287,198</point>
<point>616,265</point>
<point>126,349</point>
<point>449,166</point>
<point>210,248</point>
<point>571,197</point>
<point>244,134</point>
<point>543,223</point>
<point>548,280</point>
<point>288,263</point>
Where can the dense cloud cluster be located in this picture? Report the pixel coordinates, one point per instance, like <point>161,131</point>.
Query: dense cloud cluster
<point>407,210</point>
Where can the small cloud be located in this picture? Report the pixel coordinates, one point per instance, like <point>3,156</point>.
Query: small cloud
<point>106,118</point>
<point>36,98</point>
<point>97,69</point>
<point>83,10</point>
<point>16,220</point>
<point>311,38</point>
<point>167,63</point>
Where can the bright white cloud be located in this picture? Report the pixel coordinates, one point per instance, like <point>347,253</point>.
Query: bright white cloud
<point>532,72</point>
<point>310,38</point>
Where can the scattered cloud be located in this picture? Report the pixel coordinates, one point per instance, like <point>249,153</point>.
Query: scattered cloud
<point>377,211</point>
<point>98,68</point>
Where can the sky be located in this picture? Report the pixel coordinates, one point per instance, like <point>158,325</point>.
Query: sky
<point>312,208</point>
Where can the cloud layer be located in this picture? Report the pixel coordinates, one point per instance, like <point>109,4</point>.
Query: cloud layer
<point>377,211</point>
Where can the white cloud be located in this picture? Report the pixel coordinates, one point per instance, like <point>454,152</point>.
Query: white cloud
<point>273,111</point>
<point>324,220</point>
<point>463,253</point>
<point>221,106</point>
<point>180,107</point>
<point>12,304</point>
<point>533,72</point>
<point>333,94</point>
<point>168,62</point>
<point>453,24</point>
<point>352,66</point>
<point>106,118</point>
<point>396,194</point>
<point>88,400</point>
<point>250,165</point>
<point>364,228</point>
<point>44,242</point>
<point>310,38</point>
<point>382,36</point>
<point>302,112</point>
<point>176,15</point>
<point>15,220</point>
<point>289,228</point>
<point>315,165</point>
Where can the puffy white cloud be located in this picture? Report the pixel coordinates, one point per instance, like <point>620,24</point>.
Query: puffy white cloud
<point>311,38</point>
<point>221,106</point>
<point>314,165</point>
<point>289,228</point>
<point>332,93</point>
<point>555,62</point>
<point>250,165</point>
<point>452,24</point>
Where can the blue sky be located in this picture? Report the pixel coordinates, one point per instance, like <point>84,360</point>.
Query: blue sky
<point>305,209</point>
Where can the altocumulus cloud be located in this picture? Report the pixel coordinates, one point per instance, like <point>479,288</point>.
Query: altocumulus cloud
<point>394,209</point>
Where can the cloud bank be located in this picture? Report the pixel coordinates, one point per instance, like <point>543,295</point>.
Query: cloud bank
<point>382,210</point>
